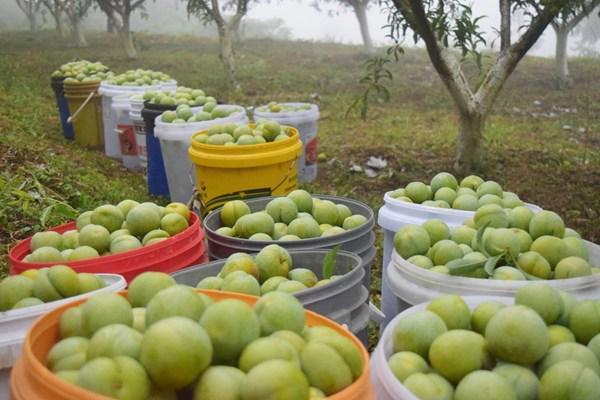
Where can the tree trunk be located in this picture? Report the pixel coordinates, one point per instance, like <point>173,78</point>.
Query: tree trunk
<point>226,35</point>
<point>562,62</point>
<point>32,22</point>
<point>60,25</point>
<point>360,10</point>
<point>127,39</point>
<point>470,138</point>
<point>78,34</point>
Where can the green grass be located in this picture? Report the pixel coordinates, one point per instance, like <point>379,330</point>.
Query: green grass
<point>415,132</point>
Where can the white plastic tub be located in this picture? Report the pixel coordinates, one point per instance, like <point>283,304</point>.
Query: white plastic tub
<point>387,386</point>
<point>394,215</point>
<point>14,325</point>
<point>139,127</point>
<point>306,121</point>
<point>410,284</point>
<point>125,132</point>
<point>109,118</point>
<point>174,145</point>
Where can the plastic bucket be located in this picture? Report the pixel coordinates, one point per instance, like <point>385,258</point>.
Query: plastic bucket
<point>395,214</point>
<point>139,126</point>
<point>155,169</point>
<point>109,117</point>
<point>225,173</point>
<point>306,121</point>
<point>387,386</point>
<point>360,241</point>
<point>63,107</point>
<point>87,123</point>
<point>31,380</point>
<point>177,252</point>
<point>337,300</point>
<point>174,145</point>
<point>411,284</point>
<point>125,132</point>
<point>14,325</point>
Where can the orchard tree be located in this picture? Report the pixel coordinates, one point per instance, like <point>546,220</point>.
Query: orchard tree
<point>359,7</point>
<point>213,11</point>
<point>588,34</point>
<point>446,26</point>
<point>31,9</point>
<point>563,25</point>
<point>56,9</point>
<point>119,13</point>
<point>76,11</point>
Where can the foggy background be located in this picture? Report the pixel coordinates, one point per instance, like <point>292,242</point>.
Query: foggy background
<point>297,20</point>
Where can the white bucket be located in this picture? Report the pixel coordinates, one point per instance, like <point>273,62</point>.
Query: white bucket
<point>410,284</point>
<point>306,121</point>
<point>394,215</point>
<point>14,325</point>
<point>174,145</point>
<point>125,132</point>
<point>109,118</point>
<point>387,386</point>
<point>139,127</point>
<point>168,86</point>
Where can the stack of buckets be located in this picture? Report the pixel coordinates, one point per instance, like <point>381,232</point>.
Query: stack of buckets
<point>139,127</point>
<point>85,108</point>
<point>125,131</point>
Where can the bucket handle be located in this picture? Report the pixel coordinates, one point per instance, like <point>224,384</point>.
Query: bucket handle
<point>85,102</point>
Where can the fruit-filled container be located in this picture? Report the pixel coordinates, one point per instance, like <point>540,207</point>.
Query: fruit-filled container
<point>177,252</point>
<point>85,110</point>
<point>174,145</point>
<point>15,323</point>
<point>343,299</point>
<point>156,176</point>
<point>387,386</point>
<point>63,107</point>
<point>360,240</point>
<point>305,118</point>
<point>396,213</point>
<point>412,285</point>
<point>125,132</point>
<point>32,380</point>
<point>226,173</point>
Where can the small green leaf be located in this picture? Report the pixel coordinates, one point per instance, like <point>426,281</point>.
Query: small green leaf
<point>459,267</point>
<point>527,275</point>
<point>46,215</point>
<point>329,262</point>
<point>479,239</point>
<point>491,262</point>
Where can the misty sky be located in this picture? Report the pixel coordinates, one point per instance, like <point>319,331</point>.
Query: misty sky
<point>307,23</point>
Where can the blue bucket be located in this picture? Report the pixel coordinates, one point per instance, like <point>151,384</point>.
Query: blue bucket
<point>63,107</point>
<point>157,177</point>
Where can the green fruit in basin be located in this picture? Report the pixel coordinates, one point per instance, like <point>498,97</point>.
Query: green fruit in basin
<point>70,239</point>
<point>522,379</point>
<point>405,363</point>
<point>143,288</point>
<point>219,383</point>
<point>437,230</point>
<point>83,253</point>
<point>443,180</point>
<point>231,326</point>
<point>489,187</point>
<point>418,192</point>
<point>429,386</point>
<point>44,254</point>
<point>127,205</point>
<point>143,219</point>
<point>279,311</point>
<point>494,385</point>
<point>304,228</point>
<point>572,267</point>
<point>559,334</point>
<point>569,380</point>
<point>240,262</point>
<point>174,301</point>
<point>546,223</point>
<point>416,332</point>
<point>241,282</point>
<point>584,320</point>
<point>14,289</point>
<point>173,224</point>
<point>411,240</point>
<point>273,260</point>
<point>258,222</point>
<point>68,354</point>
<point>520,217</point>
<point>303,200</point>
<point>282,209</point>
<point>95,236</point>
<point>517,334</point>
<point>211,283</point>
<point>471,182</point>
<point>453,310</point>
<point>445,251</point>
<point>267,348</point>
<point>115,340</point>
<point>94,315</point>
<point>483,313</point>
<point>46,239</point>
<point>232,211</point>
<point>456,353</point>
<point>304,276</point>
<point>551,248</point>
<point>120,377</point>
<point>325,212</point>
<point>275,379</point>
<point>569,351</point>
<point>124,243</point>
<point>445,194</point>
<point>466,202</point>
<point>543,299</point>
<point>354,221</point>
<point>108,216</point>
<point>175,351</point>
<point>491,214</point>
<point>576,247</point>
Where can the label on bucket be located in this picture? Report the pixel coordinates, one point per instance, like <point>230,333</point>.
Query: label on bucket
<point>311,151</point>
<point>126,134</point>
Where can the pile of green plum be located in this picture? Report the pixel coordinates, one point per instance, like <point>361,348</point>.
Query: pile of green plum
<point>181,95</point>
<point>184,114</point>
<point>498,243</point>
<point>275,107</point>
<point>271,270</point>
<point>164,341</point>
<point>243,135</point>
<point>39,286</point>
<point>82,71</point>
<point>544,347</point>
<point>110,229</point>
<point>293,217</point>
<point>445,192</point>
<point>138,77</point>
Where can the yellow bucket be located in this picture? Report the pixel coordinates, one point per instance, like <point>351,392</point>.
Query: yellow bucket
<point>85,107</point>
<point>226,173</point>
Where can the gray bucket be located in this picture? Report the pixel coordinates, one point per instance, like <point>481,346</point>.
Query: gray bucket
<point>343,300</point>
<point>360,241</point>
